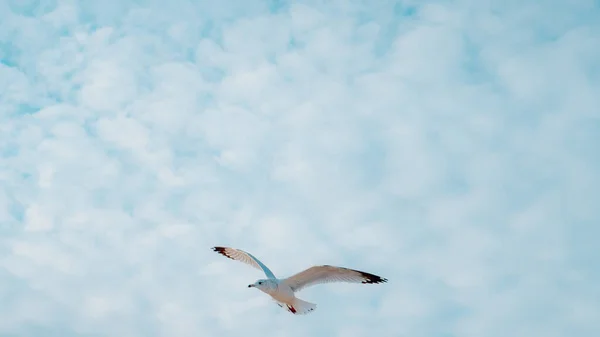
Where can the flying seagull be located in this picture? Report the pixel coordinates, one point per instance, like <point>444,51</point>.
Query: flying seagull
<point>283,290</point>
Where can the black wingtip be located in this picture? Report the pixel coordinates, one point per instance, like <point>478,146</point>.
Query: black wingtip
<point>368,277</point>
<point>371,278</point>
<point>221,250</point>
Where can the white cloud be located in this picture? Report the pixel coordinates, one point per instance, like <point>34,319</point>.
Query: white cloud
<point>36,220</point>
<point>449,147</point>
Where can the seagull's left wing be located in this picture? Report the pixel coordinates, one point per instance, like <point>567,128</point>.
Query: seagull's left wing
<point>245,257</point>
<point>327,274</point>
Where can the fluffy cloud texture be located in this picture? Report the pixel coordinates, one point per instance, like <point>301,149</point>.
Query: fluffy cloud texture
<point>450,146</point>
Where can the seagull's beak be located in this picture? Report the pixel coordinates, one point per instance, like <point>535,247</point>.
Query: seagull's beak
<point>250,285</point>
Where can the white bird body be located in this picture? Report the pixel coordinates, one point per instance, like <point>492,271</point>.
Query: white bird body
<point>283,294</point>
<point>283,290</point>
<point>280,292</point>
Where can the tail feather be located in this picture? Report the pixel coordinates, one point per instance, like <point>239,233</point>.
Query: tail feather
<point>299,307</point>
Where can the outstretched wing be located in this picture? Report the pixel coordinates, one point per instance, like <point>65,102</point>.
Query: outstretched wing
<point>327,274</point>
<point>242,256</point>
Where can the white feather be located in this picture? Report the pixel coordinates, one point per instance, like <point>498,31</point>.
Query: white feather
<point>245,257</point>
<point>327,274</point>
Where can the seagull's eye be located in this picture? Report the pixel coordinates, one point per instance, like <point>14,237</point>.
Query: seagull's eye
<point>259,282</point>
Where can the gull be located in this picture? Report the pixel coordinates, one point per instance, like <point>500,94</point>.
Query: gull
<point>283,290</point>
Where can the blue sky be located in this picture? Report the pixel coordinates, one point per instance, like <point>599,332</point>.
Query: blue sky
<point>449,146</point>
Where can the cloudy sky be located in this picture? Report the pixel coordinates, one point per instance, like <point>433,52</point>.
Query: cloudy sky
<point>449,146</point>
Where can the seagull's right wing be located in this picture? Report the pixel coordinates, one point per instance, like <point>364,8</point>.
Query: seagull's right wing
<point>326,274</point>
<point>242,256</point>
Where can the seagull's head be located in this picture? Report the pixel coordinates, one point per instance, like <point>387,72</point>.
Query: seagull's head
<point>264,285</point>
